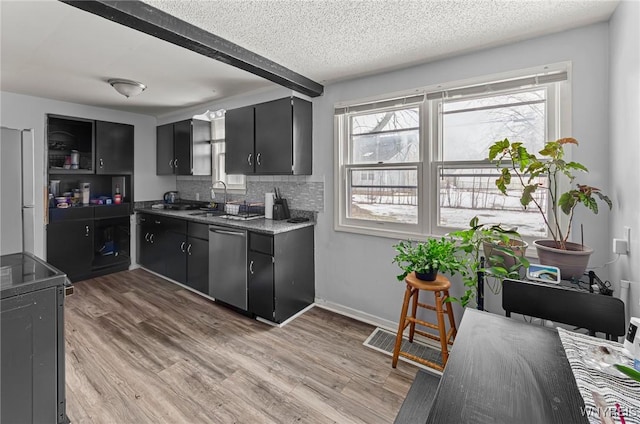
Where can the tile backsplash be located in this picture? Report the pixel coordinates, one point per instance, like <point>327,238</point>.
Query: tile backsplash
<point>303,192</point>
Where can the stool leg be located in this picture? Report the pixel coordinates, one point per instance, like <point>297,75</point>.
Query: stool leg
<point>414,310</point>
<point>441,328</point>
<point>401,326</point>
<point>452,322</point>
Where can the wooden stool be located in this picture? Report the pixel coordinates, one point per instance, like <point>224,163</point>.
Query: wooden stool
<point>440,288</point>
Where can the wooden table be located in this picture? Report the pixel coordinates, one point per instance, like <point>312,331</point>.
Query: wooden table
<point>506,371</point>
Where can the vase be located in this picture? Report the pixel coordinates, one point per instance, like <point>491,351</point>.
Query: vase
<point>429,275</point>
<point>571,262</point>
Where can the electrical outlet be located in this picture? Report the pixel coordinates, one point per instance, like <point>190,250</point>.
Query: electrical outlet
<point>620,246</point>
<point>197,197</point>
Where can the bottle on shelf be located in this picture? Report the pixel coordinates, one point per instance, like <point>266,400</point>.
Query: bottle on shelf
<point>117,197</point>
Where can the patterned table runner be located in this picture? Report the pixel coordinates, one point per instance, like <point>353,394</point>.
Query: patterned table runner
<point>589,378</point>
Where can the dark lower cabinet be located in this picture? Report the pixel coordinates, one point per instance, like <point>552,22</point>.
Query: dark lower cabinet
<point>175,248</point>
<point>70,247</point>
<point>281,273</point>
<point>198,263</point>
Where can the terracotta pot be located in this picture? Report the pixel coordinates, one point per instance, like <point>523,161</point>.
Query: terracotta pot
<point>571,262</point>
<point>519,248</point>
<point>430,275</point>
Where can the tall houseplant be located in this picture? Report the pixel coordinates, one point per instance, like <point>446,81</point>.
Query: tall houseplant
<point>525,167</point>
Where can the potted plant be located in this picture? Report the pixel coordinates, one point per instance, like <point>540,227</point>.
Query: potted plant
<point>526,168</point>
<point>503,260</point>
<point>427,258</point>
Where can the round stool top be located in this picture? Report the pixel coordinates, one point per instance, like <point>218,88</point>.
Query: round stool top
<point>441,283</point>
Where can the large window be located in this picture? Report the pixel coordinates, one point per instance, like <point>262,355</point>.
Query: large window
<point>414,166</point>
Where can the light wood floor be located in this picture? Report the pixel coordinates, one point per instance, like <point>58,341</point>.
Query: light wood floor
<point>142,350</point>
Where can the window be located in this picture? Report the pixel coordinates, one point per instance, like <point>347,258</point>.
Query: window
<point>233,182</point>
<point>414,166</point>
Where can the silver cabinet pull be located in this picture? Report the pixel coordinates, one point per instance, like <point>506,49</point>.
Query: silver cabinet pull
<point>258,159</point>
<point>151,238</point>
<point>175,163</point>
<point>143,219</point>
<point>189,249</point>
<point>182,246</point>
<point>251,267</point>
<point>101,163</point>
<point>157,222</point>
<point>249,159</point>
<point>171,163</point>
<point>86,231</point>
<point>146,237</point>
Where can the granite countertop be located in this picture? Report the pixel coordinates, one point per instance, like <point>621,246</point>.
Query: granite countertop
<point>260,225</point>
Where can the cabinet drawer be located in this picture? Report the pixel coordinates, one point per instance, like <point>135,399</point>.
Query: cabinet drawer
<point>198,230</point>
<point>69,214</point>
<point>261,243</point>
<point>111,211</point>
<point>169,224</point>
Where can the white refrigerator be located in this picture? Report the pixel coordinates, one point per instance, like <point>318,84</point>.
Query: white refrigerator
<point>17,191</point>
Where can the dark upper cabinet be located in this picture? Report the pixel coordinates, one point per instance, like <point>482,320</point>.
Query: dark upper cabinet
<point>184,148</point>
<point>114,148</point>
<point>239,141</point>
<point>272,138</point>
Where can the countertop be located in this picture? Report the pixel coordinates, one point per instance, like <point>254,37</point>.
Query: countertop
<point>260,225</point>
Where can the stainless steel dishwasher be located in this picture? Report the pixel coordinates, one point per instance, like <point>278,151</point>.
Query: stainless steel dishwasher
<point>228,265</point>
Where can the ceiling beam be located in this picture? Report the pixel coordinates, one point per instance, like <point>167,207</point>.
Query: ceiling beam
<point>145,18</point>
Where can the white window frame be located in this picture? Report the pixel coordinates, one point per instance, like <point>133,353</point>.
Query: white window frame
<point>218,156</point>
<point>558,108</point>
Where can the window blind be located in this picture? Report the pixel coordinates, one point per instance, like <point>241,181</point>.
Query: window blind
<point>382,104</point>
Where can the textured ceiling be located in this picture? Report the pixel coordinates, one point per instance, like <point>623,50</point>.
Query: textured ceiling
<point>330,40</point>
<point>53,50</point>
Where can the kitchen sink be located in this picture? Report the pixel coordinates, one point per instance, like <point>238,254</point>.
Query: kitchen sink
<point>208,213</point>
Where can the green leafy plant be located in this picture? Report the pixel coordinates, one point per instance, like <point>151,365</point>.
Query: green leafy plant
<point>469,243</point>
<point>526,168</point>
<point>422,257</point>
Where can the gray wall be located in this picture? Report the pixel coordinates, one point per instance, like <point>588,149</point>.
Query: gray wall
<point>354,272</point>
<point>624,85</point>
<point>20,112</point>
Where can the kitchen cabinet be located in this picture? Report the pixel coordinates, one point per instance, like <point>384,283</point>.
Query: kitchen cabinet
<point>272,138</point>
<point>89,241</point>
<point>281,273</point>
<point>114,148</point>
<point>70,247</point>
<point>176,249</point>
<point>184,148</point>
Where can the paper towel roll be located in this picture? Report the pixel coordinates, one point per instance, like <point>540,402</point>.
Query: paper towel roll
<point>268,205</point>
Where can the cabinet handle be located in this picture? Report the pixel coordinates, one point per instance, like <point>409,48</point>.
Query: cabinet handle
<point>143,219</point>
<point>182,247</point>
<point>157,222</point>
<point>171,163</point>
<point>175,163</point>
<point>251,267</point>
<point>189,249</point>
<point>146,237</point>
<point>258,159</point>
<point>249,159</point>
<point>101,163</point>
<point>86,231</point>
<point>151,238</point>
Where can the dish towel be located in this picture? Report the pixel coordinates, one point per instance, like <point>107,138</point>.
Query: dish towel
<point>613,386</point>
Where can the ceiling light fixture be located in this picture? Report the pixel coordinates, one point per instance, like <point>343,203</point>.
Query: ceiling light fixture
<point>127,88</point>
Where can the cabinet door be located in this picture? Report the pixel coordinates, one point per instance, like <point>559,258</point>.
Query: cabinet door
<point>70,247</point>
<point>261,295</point>
<point>239,138</point>
<point>173,252</point>
<point>165,158</point>
<point>274,137</point>
<point>182,147</point>
<point>198,264</point>
<point>29,345</point>
<point>114,148</point>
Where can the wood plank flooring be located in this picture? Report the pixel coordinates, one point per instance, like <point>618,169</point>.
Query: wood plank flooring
<point>142,350</point>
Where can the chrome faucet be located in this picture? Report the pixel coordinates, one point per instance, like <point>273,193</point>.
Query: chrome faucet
<point>213,194</point>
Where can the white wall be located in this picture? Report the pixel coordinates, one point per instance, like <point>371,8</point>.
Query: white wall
<point>625,140</point>
<point>21,112</point>
<point>354,272</point>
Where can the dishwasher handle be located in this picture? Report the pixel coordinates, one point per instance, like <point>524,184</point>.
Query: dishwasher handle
<point>228,232</point>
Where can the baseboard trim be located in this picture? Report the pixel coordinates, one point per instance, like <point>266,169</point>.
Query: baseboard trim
<point>357,315</point>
